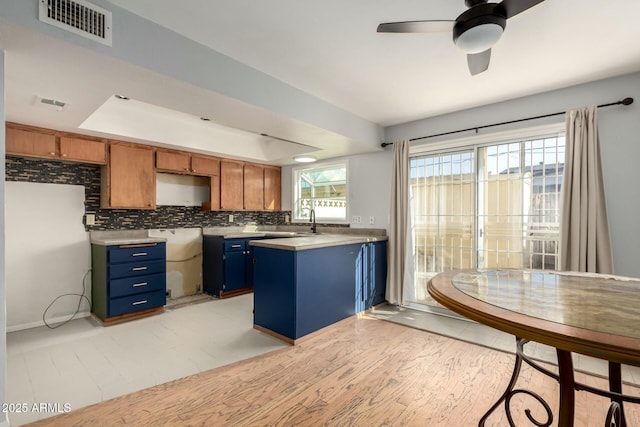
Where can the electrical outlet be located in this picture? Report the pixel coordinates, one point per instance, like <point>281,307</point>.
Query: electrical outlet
<point>90,219</point>
<point>356,219</point>
<point>372,220</point>
<point>230,217</point>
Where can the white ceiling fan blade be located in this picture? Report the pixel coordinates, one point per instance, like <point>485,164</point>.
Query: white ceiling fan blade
<point>478,62</point>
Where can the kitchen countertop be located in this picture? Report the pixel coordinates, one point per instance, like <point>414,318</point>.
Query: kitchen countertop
<point>316,241</point>
<point>293,238</point>
<point>232,234</point>
<point>124,237</point>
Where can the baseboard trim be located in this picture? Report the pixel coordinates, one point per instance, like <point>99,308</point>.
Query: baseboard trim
<point>51,321</point>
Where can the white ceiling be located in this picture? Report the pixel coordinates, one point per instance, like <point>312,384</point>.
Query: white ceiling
<point>330,49</point>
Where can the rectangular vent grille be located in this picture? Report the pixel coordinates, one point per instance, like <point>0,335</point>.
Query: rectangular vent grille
<point>79,17</point>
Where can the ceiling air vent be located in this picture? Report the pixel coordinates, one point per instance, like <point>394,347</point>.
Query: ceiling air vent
<point>79,17</point>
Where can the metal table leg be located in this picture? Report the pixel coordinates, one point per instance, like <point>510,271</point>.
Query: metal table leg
<point>567,388</point>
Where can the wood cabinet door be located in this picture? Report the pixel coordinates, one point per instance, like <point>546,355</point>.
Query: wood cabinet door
<point>214,194</point>
<point>132,177</point>
<point>253,187</point>
<point>272,188</point>
<point>30,143</point>
<point>231,185</point>
<point>173,161</point>
<point>204,165</point>
<point>83,150</point>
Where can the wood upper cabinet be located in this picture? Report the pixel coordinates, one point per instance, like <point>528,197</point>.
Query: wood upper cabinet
<point>231,185</point>
<point>173,161</point>
<point>253,187</point>
<point>245,186</point>
<point>272,188</point>
<point>205,165</point>
<point>41,143</point>
<point>30,143</point>
<point>187,163</point>
<point>83,150</point>
<point>129,180</point>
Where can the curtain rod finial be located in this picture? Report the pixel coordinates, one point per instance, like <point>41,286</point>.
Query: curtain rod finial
<point>627,101</point>
<point>384,144</point>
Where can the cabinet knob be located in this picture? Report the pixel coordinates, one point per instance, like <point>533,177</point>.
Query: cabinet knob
<point>51,153</point>
<point>64,154</point>
<point>193,170</point>
<point>186,169</point>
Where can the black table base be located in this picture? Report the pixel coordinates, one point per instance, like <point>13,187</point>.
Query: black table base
<point>568,387</point>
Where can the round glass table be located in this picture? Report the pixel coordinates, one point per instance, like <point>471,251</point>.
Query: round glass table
<point>591,314</point>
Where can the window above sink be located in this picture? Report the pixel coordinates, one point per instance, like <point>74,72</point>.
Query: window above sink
<point>323,188</point>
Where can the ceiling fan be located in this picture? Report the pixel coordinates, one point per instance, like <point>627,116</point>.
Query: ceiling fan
<point>474,31</point>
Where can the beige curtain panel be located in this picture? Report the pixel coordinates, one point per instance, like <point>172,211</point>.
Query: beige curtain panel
<point>399,223</point>
<point>585,244</point>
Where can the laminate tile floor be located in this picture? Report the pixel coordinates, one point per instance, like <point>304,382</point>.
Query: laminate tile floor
<point>82,363</point>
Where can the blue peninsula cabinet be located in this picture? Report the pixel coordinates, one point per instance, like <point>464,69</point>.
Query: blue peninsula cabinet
<point>128,280</point>
<point>298,292</point>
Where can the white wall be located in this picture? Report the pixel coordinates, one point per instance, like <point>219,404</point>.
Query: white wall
<point>48,253</point>
<point>620,145</point>
<point>369,188</point>
<point>3,303</point>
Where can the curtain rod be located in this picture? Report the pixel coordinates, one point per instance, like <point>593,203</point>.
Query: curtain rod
<point>626,101</point>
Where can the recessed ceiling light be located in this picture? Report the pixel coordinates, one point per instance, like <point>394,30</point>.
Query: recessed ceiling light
<point>124,98</point>
<point>305,158</point>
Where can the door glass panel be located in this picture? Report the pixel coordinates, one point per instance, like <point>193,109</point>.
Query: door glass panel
<point>442,189</point>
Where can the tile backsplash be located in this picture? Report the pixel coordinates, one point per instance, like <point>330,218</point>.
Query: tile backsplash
<point>55,172</point>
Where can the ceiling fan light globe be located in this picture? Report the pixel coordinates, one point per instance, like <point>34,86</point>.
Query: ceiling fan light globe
<point>479,38</point>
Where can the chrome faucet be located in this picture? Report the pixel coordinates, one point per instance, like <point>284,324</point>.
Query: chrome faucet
<point>312,219</point>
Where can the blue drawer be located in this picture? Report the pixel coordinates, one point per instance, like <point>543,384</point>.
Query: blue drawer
<point>134,253</point>
<point>135,269</point>
<point>137,285</point>
<point>233,245</point>
<point>139,302</point>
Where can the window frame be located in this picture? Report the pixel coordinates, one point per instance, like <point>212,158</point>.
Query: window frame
<point>319,165</point>
<point>475,143</point>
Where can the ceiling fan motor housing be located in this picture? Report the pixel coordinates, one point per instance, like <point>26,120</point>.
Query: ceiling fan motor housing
<point>480,15</point>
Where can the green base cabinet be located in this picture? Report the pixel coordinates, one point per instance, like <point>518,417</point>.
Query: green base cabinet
<point>127,278</point>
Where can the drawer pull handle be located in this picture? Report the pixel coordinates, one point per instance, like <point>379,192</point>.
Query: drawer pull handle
<point>236,246</point>
<point>139,268</point>
<point>136,285</point>
<point>139,245</point>
<point>139,254</point>
<point>144,301</point>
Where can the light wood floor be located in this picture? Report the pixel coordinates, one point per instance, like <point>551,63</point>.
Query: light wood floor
<point>359,372</point>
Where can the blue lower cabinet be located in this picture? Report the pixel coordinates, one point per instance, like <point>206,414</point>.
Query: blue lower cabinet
<point>227,265</point>
<point>127,278</point>
<point>378,257</point>
<point>274,291</point>
<point>374,274</point>
<point>296,293</point>
<point>299,292</point>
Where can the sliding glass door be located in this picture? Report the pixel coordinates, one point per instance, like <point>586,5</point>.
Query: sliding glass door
<point>489,206</point>
<point>443,200</point>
